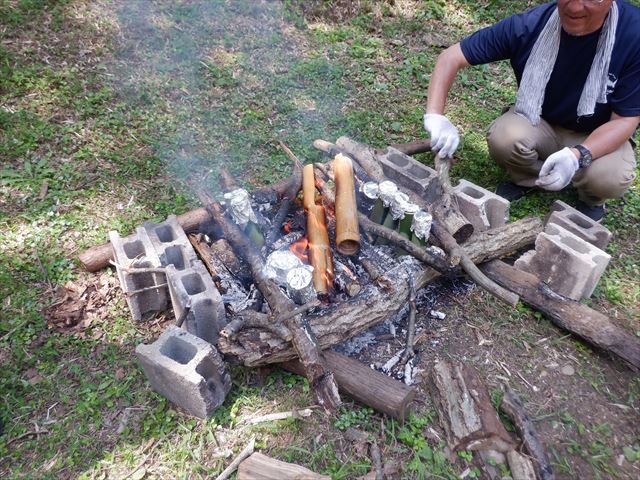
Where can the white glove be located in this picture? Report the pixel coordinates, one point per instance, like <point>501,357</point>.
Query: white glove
<point>444,136</point>
<point>558,170</point>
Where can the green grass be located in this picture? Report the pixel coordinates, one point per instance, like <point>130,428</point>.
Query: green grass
<point>110,114</point>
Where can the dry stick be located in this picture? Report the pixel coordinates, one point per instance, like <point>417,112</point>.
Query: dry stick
<point>288,197</point>
<point>374,451</point>
<point>409,352</point>
<point>305,412</point>
<point>246,452</point>
<point>512,406</point>
<point>303,338</point>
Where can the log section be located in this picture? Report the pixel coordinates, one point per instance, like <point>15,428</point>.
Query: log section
<point>587,323</point>
<point>367,386</point>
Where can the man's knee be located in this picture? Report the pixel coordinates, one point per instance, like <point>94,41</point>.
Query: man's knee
<point>510,142</point>
<point>605,185</point>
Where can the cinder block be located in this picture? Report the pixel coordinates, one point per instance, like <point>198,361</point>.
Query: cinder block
<point>571,266</point>
<point>196,299</point>
<point>484,209</point>
<point>145,290</point>
<point>409,173</point>
<point>171,243</point>
<point>186,370</point>
<point>578,223</point>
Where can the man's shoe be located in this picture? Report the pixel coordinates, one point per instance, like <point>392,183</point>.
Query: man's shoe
<point>594,212</point>
<point>510,191</point>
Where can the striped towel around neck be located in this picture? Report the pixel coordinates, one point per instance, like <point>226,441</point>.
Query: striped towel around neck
<point>542,59</point>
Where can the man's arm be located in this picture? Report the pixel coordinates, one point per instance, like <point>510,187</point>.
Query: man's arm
<point>444,135</point>
<point>449,63</point>
<point>560,167</point>
<point>609,136</point>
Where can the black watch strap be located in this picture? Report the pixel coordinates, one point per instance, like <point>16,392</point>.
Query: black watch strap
<point>585,156</point>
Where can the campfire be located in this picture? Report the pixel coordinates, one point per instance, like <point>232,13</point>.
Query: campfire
<point>325,255</point>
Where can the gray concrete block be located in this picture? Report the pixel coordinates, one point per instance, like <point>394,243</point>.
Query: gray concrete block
<point>484,209</point>
<point>187,370</point>
<point>196,299</point>
<point>579,224</point>
<point>571,266</point>
<point>409,173</point>
<point>171,243</point>
<point>145,290</point>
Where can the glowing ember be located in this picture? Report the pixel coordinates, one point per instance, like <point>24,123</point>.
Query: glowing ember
<point>300,249</point>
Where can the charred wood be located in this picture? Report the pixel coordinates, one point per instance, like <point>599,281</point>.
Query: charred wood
<point>303,338</point>
<point>335,324</point>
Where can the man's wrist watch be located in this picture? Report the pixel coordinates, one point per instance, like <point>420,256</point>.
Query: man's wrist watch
<point>585,158</point>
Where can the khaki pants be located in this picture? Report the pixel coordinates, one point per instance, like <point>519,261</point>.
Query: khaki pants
<point>521,149</point>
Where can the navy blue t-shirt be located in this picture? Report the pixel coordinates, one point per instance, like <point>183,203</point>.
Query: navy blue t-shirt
<point>513,38</point>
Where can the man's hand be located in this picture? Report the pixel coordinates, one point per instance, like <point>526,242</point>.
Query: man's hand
<point>558,170</point>
<point>444,136</point>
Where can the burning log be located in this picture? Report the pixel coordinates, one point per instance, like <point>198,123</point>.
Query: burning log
<point>317,235</point>
<point>465,409</point>
<point>288,197</point>
<point>347,232</point>
<point>303,338</point>
<point>255,347</point>
<point>575,317</point>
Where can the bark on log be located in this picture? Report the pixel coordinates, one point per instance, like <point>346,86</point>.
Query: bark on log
<point>303,340</point>
<point>254,347</point>
<point>411,148</point>
<point>367,386</point>
<point>587,323</point>
<point>513,407</point>
<point>261,467</point>
<point>465,409</point>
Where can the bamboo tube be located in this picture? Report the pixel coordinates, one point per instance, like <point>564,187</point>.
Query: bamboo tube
<point>317,235</point>
<point>347,230</point>
<point>308,187</point>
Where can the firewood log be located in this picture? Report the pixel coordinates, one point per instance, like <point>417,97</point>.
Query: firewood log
<point>465,409</point>
<point>575,317</point>
<point>261,467</point>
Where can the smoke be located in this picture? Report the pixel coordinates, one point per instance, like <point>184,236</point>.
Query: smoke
<point>222,81</point>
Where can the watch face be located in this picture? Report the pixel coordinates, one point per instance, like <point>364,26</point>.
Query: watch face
<point>585,156</point>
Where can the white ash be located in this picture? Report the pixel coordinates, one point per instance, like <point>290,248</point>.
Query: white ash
<point>410,371</point>
<point>356,344</point>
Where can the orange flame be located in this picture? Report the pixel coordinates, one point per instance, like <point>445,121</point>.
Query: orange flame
<point>300,249</point>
